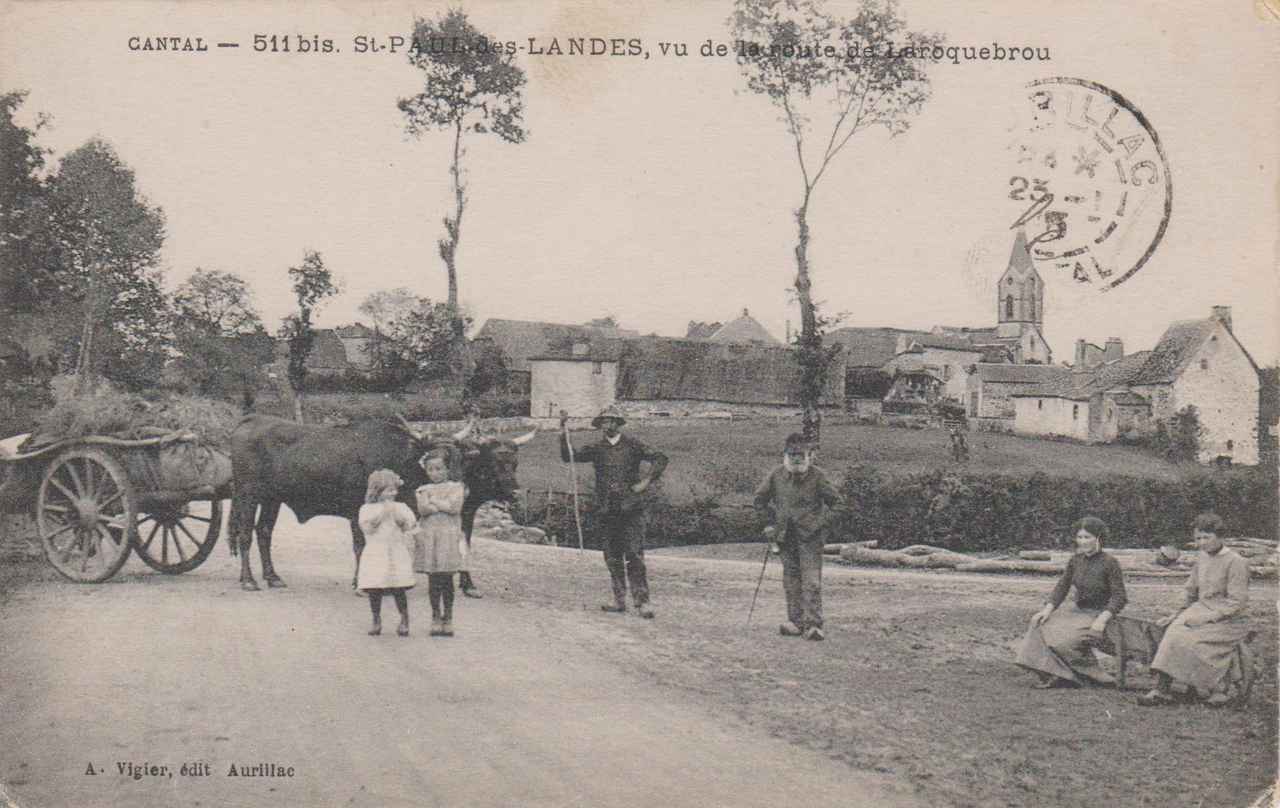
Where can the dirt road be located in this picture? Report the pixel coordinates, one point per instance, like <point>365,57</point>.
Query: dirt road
<point>159,671</point>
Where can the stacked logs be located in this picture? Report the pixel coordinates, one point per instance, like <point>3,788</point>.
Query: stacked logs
<point>1260,553</point>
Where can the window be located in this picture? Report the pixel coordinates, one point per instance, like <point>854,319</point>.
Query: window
<point>1008,305</point>
<point>1204,364</point>
<point>1075,411</point>
<point>1231,445</point>
<point>1039,403</point>
<point>597,368</point>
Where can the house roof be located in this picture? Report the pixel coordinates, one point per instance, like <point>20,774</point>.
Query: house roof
<point>943,342</point>
<point>701,330</point>
<point>866,383</point>
<point>740,373</point>
<point>354,331</point>
<point>868,347</point>
<point>1019,374</point>
<point>1178,346</point>
<point>326,353</point>
<point>520,339</point>
<point>744,329</point>
<point>1083,385</point>
<point>575,348</point>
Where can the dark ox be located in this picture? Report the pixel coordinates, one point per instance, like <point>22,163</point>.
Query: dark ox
<point>323,470</point>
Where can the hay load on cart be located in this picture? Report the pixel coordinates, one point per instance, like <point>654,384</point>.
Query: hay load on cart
<point>107,472</point>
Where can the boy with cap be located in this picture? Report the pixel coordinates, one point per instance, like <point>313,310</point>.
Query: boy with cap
<point>620,507</point>
<point>803,504</point>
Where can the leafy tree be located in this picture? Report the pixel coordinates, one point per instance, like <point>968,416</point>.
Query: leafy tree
<point>420,337</point>
<point>24,277</point>
<point>383,307</point>
<point>218,301</point>
<point>473,91</point>
<point>490,368</point>
<point>105,240</point>
<point>313,284</point>
<point>1184,435</point>
<point>219,336</point>
<point>860,93</point>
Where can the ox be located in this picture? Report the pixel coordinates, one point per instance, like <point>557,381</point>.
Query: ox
<point>323,470</point>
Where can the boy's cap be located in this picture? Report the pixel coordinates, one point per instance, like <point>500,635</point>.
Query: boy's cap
<point>796,440</point>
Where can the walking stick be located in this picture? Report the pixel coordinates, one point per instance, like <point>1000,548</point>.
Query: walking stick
<point>768,546</point>
<point>573,475</point>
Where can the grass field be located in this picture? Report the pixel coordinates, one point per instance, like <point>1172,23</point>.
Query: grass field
<point>915,680</point>
<point>728,459</point>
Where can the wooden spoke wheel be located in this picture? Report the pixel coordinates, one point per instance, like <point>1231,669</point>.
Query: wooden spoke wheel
<point>178,538</point>
<point>85,513</point>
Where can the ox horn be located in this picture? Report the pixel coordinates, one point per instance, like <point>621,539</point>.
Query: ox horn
<point>523,439</point>
<point>465,431</point>
<point>407,428</point>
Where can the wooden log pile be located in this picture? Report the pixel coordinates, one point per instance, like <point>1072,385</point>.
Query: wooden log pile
<point>1261,554</point>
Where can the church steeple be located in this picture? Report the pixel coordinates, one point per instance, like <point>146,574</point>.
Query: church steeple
<point>1020,292</point>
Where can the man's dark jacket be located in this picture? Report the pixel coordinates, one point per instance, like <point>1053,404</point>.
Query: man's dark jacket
<point>617,469</point>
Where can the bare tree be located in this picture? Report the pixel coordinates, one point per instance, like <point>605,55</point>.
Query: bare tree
<point>860,87</point>
<point>471,89</point>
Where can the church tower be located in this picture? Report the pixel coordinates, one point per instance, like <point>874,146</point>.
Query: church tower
<point>1020,292</point>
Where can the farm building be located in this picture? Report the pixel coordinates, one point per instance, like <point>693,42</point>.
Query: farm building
<point>1092,404</point>
<point>1197,362</point>
<point>990,389</point>
<point>946,358</point>
<point>328,357</point>
<point>668,375</point>
<point>518,340</point>
<point>358,342</point>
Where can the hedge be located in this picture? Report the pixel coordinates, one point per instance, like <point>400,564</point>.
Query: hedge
<point>984,512</point>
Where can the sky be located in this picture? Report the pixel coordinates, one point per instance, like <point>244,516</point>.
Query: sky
<point>658,190</point>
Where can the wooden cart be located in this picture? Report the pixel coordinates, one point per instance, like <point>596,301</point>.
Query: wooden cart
<point>96,497</point>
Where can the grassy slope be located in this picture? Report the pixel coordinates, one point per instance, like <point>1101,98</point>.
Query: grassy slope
<point>719,458</point>
<point>916,679</point>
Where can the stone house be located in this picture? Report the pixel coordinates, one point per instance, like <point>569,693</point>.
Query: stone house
<point>580,379</point>
<point>945,357</point>
<point>358,341</point>
<point>518,340</point>
<point>1202,363</point>
<point>990,388</point>
<point>1090,404</point>
<point>1199,363</point>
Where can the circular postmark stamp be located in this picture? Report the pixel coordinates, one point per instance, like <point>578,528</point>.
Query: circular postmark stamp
<point>1089,184</point>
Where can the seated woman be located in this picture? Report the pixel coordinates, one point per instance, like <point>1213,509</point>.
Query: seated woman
<point>1200,639</point>
<point>1058,644</point>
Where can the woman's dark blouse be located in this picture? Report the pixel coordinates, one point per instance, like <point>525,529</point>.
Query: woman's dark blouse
<point>1098,581</point>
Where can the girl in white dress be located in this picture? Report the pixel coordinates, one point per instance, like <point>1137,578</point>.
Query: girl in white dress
<point>386,563</point>
<point>440,540</point>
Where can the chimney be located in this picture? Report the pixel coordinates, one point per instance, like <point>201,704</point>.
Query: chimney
<point>1114,350</point>
<point>1079,354</point>
<point>1223,315</point>
<point>745,313</point>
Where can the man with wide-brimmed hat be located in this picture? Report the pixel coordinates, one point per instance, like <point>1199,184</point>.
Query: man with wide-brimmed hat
<point>621,513</point>
<point>802,502</point>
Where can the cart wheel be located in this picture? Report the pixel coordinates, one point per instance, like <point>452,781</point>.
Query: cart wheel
<point>178,538</point>
<point>85,513</point>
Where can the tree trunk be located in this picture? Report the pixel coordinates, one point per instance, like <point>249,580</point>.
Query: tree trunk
<point>458,364</point>
<point>297,406</point>
<point>809,353</point>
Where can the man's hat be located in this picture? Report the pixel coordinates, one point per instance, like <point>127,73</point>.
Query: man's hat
<point>612,411</point>
<point>797,440</point>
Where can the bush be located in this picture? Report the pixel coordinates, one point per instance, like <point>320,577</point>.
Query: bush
<point>702,521</point>
<point>985,512</point>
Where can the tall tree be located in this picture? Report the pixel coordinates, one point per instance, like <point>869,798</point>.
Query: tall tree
<point>858,93</point>
<point>420,336</point>
<point>467,90</point>
<point>313,284</point>
<point>22,193</point>
<point>105,238</point>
